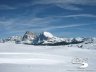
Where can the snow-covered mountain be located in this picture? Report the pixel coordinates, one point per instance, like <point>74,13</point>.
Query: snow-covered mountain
<point>11,39</point>
<point>14,38</point>
<point>46,38</point>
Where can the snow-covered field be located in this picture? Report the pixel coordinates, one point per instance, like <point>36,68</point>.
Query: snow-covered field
<point>29,58</point>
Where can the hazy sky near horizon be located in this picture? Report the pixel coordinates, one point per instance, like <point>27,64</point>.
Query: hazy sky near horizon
<point>67,18</point>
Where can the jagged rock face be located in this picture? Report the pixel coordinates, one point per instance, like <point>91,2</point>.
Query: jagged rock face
<point>29,36</point>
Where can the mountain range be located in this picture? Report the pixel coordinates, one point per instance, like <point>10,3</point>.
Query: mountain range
<point>46,38</point>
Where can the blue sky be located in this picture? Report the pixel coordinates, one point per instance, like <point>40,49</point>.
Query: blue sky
<point>67,18</point>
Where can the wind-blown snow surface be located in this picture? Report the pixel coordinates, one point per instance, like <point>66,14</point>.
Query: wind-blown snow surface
<point>28,58</point>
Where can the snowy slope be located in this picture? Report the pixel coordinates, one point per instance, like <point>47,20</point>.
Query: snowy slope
<point>47,34</point>
<point>29,58</point>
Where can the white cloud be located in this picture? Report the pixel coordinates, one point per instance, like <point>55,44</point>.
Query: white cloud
<point>83,2</point>
<point>75,15</point>
<point>24,24</point>
<point>81,15</point>
<point>65,26</point>
<point>6,7</point>
<point>68,7</point>
<point>66,4</point>
<point>37,24</point>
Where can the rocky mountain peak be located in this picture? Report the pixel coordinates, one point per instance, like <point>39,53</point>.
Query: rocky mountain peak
<point>29,36</point>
